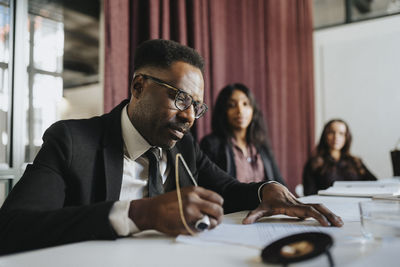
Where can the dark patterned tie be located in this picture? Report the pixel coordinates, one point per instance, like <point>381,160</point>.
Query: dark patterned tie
<point>155,181</point>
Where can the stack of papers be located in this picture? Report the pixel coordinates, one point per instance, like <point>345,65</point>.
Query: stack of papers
<point>256,235</point>
<point>362,189</point>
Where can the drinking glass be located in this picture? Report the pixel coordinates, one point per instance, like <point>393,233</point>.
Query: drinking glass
<point>380,218</point>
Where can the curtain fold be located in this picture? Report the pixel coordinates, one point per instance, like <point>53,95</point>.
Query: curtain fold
<point>265,44</point>
<point>117,52</point>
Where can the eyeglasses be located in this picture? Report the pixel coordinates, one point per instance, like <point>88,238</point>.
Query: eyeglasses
<point>182,99</point>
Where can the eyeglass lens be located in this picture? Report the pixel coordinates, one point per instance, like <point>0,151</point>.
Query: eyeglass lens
<point>184,100</point>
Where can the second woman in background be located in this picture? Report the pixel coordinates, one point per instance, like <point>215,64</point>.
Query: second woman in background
<point>332,160</point>
<point>238,142</point>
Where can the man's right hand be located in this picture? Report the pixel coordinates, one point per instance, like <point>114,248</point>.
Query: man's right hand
<point>161,213</point>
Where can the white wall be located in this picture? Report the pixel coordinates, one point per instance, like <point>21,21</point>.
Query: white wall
<point>83,102</point>
<point>357,78</point>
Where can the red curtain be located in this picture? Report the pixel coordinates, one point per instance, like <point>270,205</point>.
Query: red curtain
<point>265,44</point>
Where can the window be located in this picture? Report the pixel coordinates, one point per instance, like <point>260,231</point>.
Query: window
<point>5,91</point>
<point>58,57</point>
<point>44,59</point>
<point>5,98</point>
<point>335,12</point>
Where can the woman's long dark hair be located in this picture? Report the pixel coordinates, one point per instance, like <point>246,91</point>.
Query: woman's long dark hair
<point>323,146</point>
<point>322,157</point>
<point>256,131</point>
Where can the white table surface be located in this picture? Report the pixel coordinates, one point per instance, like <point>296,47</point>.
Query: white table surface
<point>151,248</point>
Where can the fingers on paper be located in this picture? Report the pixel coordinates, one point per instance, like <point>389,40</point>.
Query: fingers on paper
<point>256,214</point>
<point>317,211</point>
<point>333,218</point>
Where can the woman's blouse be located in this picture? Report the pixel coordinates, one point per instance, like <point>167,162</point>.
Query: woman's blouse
<point>249,168</point>
<point>319,174</point>
<point>220,151</point>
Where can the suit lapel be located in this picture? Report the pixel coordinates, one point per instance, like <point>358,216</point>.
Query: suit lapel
<point>230,161</point>
<point>113,167</point>
<point>113,153</point>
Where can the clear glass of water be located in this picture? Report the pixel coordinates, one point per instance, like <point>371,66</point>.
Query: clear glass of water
<point>380,218</point>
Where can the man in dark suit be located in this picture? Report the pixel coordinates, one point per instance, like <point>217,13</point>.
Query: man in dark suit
<point>95,179</point>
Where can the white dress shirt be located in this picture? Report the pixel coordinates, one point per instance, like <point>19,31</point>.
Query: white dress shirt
<point>135,176</point>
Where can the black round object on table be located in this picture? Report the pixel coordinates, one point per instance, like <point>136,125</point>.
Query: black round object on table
<point>298,247</point>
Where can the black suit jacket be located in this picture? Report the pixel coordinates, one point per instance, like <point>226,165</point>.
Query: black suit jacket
<point>221,153</point>
<point>66,194</point>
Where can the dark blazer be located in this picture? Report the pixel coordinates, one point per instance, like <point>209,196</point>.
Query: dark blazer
<point>66,195</point>
<point>318,177</point>
<point>221,153</point>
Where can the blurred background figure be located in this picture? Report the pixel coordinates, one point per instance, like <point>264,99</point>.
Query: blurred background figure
<point>332,160</point>
<point>238,143</point>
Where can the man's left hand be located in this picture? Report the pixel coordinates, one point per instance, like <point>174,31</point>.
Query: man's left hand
<point>276,199</point>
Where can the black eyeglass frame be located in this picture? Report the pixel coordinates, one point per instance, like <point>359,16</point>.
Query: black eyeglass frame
<point>196,104</point>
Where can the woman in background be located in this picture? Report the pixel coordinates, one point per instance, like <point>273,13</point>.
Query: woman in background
<point>238,142</point>
<point>332,160</point>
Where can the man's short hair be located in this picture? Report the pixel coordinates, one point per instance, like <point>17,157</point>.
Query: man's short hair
<point>162,53</point>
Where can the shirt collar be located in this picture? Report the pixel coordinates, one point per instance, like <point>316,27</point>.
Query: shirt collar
<point>135,144</point>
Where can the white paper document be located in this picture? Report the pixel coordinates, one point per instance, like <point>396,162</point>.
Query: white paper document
<point>345,207</point>
<point>256,235</point>
<point>362,188</point>
<point>379,183</point>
